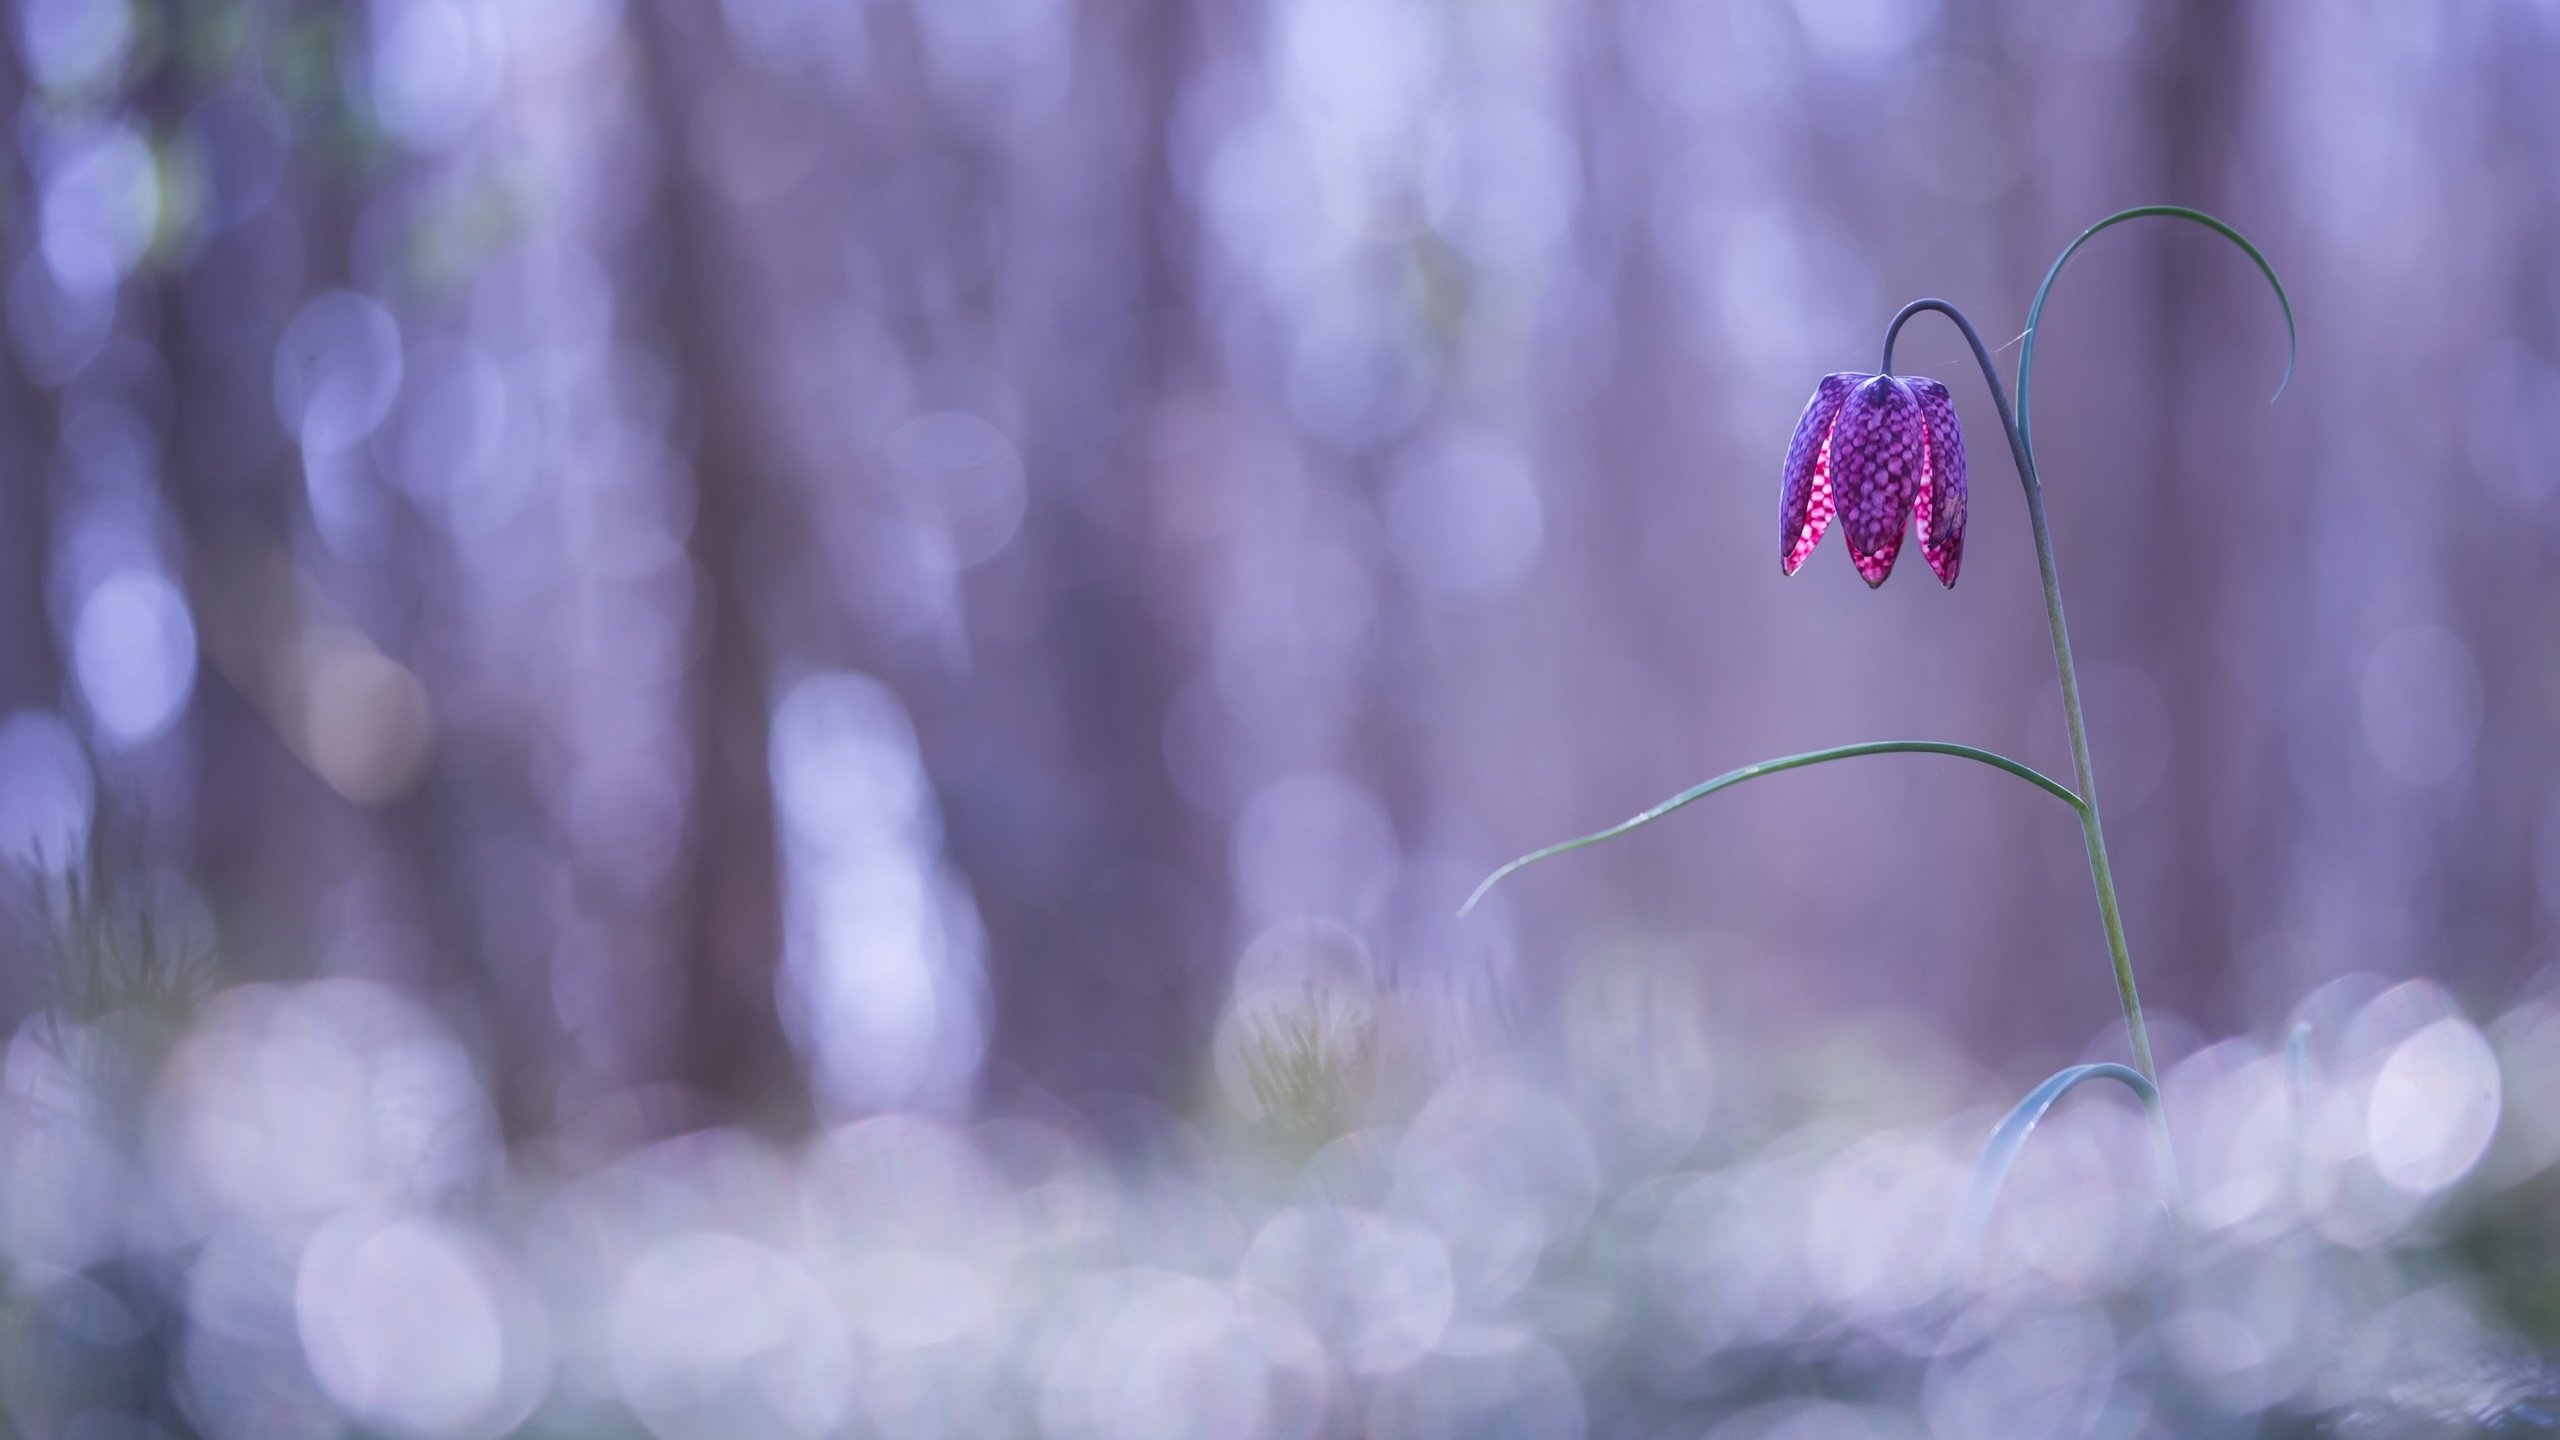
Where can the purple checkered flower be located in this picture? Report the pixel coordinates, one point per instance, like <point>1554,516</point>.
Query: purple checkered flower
<point>1876,450</point>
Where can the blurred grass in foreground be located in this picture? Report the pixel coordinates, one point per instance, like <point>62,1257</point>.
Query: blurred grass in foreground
<point>289,1210</point>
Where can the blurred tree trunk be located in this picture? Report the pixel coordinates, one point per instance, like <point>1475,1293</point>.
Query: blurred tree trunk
<point>1098,920</point>
<point>30,669</point>
<point>269,840</point>
<point>245,518</point>
<point>2198,88</point>
<point>30,666</point>
<point>731,1045</point>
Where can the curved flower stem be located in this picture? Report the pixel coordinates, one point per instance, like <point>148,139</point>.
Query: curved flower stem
<point>2092,828</point>
<point>2035,310</point>
<point>1784,763</point>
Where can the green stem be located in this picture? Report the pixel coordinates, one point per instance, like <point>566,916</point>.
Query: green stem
<point>2092,825</point>
<point>2084,780</point>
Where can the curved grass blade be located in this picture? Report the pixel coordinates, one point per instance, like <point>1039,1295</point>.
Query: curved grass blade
<point>2035,312</point>
<point>1991,1172</point>
<point>1730,778</point>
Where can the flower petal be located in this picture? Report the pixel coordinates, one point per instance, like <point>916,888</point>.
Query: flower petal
<point>1804,494</point>
<point>1941,506</point>
<point>1874,568</point>
<point>1879,453</point>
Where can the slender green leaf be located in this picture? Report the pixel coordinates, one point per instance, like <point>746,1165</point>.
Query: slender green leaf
<point>1730,778</point>
<point>2035,312</point>
<point>1991,1172</point>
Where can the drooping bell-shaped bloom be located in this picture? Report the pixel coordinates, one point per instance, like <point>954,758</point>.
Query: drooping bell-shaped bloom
<point>1876,450</point>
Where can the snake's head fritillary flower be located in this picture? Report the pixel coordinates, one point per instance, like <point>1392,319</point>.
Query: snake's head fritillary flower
<point>1876,450</point>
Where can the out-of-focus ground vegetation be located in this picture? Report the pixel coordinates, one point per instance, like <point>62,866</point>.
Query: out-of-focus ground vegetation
<point>287,1209</point>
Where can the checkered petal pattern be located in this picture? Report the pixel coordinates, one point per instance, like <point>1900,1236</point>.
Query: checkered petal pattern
<point>1873,452</point>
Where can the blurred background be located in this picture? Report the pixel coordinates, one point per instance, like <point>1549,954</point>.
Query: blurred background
<point>762,717</point>
<point>796,558</point>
